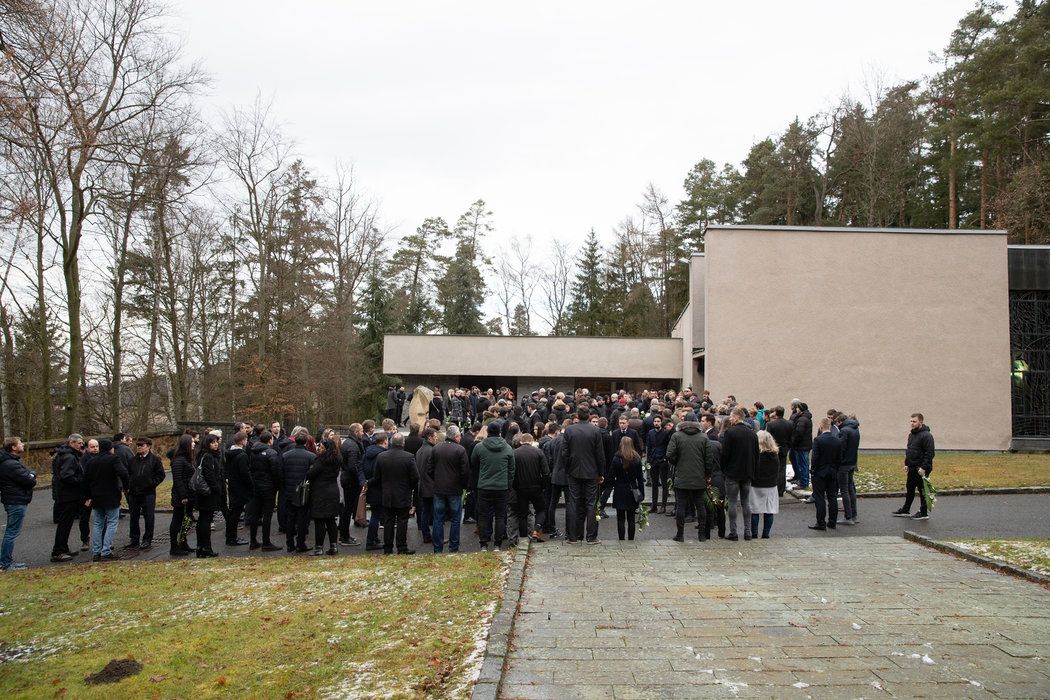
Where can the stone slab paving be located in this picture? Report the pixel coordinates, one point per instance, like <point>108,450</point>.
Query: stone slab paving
<point>871,617</point>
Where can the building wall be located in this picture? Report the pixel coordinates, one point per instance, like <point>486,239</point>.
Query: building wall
<point>532,356</point>
<point>877,323</point>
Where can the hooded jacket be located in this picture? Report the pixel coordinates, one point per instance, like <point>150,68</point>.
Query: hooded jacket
<point>849,434</point>
<point>493,460</point>
<point>266,468</point>
<point>16,482</point>
<point>238,474</point>
<point>802,429</point>
<point>920,449</point>
<point>690,452</point>
<point>67,476</point>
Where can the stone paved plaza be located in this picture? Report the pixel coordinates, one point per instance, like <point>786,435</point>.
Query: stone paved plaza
<point>868,617</point>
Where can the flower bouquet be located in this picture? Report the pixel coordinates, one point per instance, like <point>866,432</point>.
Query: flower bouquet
<point>641,518</point>
<point>929,494</point>
<point>713,498</point>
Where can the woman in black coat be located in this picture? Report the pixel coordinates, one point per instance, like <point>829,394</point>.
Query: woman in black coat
<point>627,477</point>
<point>208,459</point>
<point>324,494</point>
<point>181,497</point>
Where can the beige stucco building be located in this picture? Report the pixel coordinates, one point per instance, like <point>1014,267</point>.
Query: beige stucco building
<point>877,322</point>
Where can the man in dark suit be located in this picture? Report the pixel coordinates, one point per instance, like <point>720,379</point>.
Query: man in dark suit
<point>780,428</point>
<point>583,459</point>
<point>612,445</point>
<point>395,473</point>
<point>824,465</point>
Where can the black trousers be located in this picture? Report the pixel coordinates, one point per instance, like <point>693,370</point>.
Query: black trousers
<point>659,472</point>
<point>322,526</point>
<point>85,524</point>
<point>65,515</point>
<point>533,497</point>
<point>144,506</point>
<point>492,514</point>
<point>549,525</point>
<point>425,516</point>
<point>625,519</point>
<point>395,528</point>
<point>179,527</point>
<point>782,454</point>
<point>915,483</point>
<point>694,498</point>
<point>470,505</point>
<point>351,491</point>
<point>583,493</point>
<point>825,495</point>
<point>204,530</point>
<point>260,512</point>
<point>297,526</point>
<point>237,504</point>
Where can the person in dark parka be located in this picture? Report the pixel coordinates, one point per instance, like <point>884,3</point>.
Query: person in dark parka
<point>918,463</point>
<point>324,494</point>
<point>425,508</point>
<point>16,493</point>
<point>395,474</point>
<point>181,496</point>
<point>689,451</point>
<point>267,478</point>
<point>207,458</point>
<point>827,458</point>
<point>353,449</point>
<point>801,441</point>
<point>69,493</point>
<point>559,480</point>
<point>530,474</point>
<point>373,495</point>
<point>849,434</point>
<point>656,450</point>
<point>238,474</point>
<point>105,479</point>
<point>296,463</point>
<point>449,471</point>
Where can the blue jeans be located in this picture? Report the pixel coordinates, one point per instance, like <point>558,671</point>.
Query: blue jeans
<point>374,518</point>
<point>454,506</point>
<point>800,463</point>
<point>103,529</point>
<point>15,516</point>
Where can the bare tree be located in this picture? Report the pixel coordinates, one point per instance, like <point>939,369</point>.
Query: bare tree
<point>556,285</point>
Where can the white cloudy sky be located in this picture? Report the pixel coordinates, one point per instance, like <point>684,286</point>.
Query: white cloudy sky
<point>557,114</point>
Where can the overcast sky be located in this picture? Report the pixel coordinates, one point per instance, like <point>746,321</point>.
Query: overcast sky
<point>556,114</point>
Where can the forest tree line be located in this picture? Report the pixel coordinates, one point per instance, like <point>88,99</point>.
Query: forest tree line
<point>157,268</point>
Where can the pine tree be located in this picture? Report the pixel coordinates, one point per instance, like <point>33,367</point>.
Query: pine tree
<point>586,311</point>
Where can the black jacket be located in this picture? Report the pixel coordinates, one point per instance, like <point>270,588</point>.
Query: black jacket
<point>238,474</point>
<point>436,409</point>
<point>105,479</point>
<point>448,469</point>
<point>413,441</point>
<point>423,456</point>
<point>324,489</point>
<point>67,476</point>
<point>374,497</point>
<point>16,482</point>
<point>211,470</point>
<point>920,449</point>
<point>739,453</point>
<point>352,451</point>
<point>616,436</point>
<point>625,481</point>
<point>849,434</point>
<point>767,470</point>
<point>583,455</point>
<point>802,430</point>
<point>181,471</point>
<point>656,445</point>
<point>827,455</point>
<point>530,468</point>
<point>781,429</point>
<point>266,468</point>
<point>296,462</point>
<point>146,474</point>
<point>552,449</point>
<point>395,474</point>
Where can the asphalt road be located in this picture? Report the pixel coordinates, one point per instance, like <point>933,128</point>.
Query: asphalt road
<point>989,516</point>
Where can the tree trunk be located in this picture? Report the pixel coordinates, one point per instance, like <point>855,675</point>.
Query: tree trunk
<point>953,185</point>
<point>5,352</point>
<point>71,273</point>
<point>984,187</point>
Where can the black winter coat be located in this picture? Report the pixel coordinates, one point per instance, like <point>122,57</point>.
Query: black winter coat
<point>395,474</point>
<point>636,439</point>
<point>802,430</point>
<point>436,409</point>
<point>552,449</point>
<point>423,456</point>
<point>781,429</point>
<point>767,470</point>
<point>67,476</point>
<point>238,474</point>
<point>267,468</point>
<point>106,478</point>
<point>324,489</point>
<point>181,471</point>
<point>296,462</point>
<point>413,441</point>
<point>146,474</point>
<point>827,455</point>
<point>739,453</point>
<point>624,481</point>
<point>583,455</point>
<point>211,469</point>
<point>530,468</point>
<point>374,497</point>
<point>849,434</point>
<point>448,469</point>
<point>656,445</point>
<point>352,451</point>
<point>16,482</point>
<point>920,449</point>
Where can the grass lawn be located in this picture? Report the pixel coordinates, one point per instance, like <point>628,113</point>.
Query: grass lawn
<point>267,628</point>
<point>1033,554</point>
<point>878,472</point>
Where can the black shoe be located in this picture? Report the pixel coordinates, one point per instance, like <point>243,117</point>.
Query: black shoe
<point>270,547</point>
<point>765,537</point>
<point>406,551</point>
<point>732,538</point>
<point>254,545</point>
<point>331,551</point>
<point>290,548</point>
<point>556,535</point>
<point>678,538</point>
<point>109,557</point>
<point>832,526</point>
<point>236,543</point>
<point>301,550</point>
<point>691,519</point>
<point>131,545</point>
<point>818,526</point>
<point>145,545</point>
<point>747,536</point>
<point>373,547</point>
<point>901,513</point>
<point>61,557</point>
<point>920,516</point>
<point>178,552</point>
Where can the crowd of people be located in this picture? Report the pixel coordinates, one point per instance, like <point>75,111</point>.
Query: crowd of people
<point>478,457</point>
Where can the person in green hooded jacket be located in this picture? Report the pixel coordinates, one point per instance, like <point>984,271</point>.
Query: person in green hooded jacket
<point>493,461</point>
<point>692,457</point>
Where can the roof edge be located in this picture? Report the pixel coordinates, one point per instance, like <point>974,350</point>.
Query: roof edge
<point>863,229</point>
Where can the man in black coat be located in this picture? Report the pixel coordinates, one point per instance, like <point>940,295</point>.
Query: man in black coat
<point>352,449</point>
<point>146,473</point>
<point>827,458</point>
<point>267,478</point>
<point>531,472</point>
<point>16,492</point>
<point>449,471</point>
<point>105,478</point>
<point>425,508</point>
<point>918,462</point>
<point>395,474</point>
<point>801,441</point>
<point>583,459</point>
<point>781,430</point>
<point>297,462</point>
<point>849,434</point>
<point>738,460</point>
<point>69,493</point>
<point>238,485</point>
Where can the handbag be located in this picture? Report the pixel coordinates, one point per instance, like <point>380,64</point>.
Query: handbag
<point>360,518</point>
<point>198,484</point>
<point>638,494</point>
<point>302,494</point>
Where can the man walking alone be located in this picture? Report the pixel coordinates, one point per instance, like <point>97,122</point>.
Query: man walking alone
<point>918,462</point>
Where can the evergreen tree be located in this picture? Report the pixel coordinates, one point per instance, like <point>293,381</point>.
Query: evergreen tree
<point>586,313</point>
<point>413,265</point>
